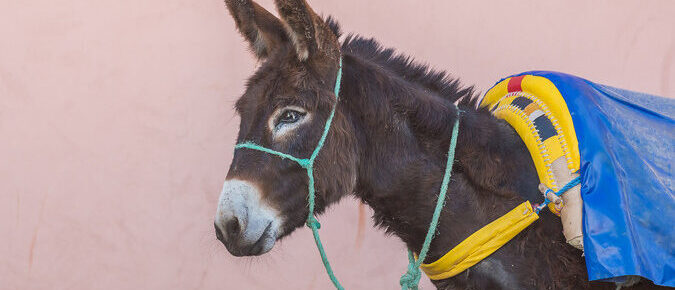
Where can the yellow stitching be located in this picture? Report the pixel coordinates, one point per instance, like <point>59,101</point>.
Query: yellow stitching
<point>562,138</point>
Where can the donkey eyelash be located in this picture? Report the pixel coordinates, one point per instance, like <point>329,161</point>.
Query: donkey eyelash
<point>286,119</point>
<point>289,116</point>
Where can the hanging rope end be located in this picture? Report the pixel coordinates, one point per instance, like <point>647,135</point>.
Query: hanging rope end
<point>410,279</point>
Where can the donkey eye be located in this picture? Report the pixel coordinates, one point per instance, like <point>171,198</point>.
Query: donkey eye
<point>289,117</point>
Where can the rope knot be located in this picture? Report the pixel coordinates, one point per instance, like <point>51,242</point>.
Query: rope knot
<point>411,278</point>
<point>304,163</point>
<point>313,223</point>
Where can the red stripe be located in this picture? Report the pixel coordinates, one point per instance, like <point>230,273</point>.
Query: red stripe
<point>514,84</point>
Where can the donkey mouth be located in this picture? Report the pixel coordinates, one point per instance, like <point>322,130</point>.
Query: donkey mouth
<point>262,245</point>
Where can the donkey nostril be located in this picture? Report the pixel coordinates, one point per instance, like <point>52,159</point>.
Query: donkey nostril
<point>233,228</point>
<point>219,234</point>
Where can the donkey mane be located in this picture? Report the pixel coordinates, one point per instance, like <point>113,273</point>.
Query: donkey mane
<point>438,81</point>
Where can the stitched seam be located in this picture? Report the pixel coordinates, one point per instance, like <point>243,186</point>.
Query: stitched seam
<point>562,139</point>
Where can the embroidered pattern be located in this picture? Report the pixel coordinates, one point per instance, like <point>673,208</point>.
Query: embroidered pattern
<point>542,125</point>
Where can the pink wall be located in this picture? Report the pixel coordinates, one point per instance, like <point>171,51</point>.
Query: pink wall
<point>116,127</point>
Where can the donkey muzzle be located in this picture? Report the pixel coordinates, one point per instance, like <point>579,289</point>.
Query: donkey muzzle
<point>243,223</point>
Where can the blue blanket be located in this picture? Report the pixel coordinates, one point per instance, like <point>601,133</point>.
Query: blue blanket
<point>626,143</point>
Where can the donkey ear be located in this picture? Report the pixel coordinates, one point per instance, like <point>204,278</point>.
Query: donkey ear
<point>263,31</point>
<point>311,36</point>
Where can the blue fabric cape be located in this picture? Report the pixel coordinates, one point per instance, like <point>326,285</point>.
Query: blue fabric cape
<point>626,145</point>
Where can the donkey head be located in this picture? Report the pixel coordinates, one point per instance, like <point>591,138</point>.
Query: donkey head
<point>284,108</point>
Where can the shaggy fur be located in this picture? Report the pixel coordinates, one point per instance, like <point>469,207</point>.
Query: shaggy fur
<point>388,147</point>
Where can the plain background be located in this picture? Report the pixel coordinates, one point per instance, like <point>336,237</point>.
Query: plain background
<point>116,127</point>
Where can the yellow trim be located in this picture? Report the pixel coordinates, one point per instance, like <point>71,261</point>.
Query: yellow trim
<point>495,93</point>
<point>482,243</point>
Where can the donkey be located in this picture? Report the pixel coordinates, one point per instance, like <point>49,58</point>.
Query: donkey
<point>387,146</point>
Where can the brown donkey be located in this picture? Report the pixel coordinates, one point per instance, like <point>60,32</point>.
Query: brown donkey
<point>387,146</point>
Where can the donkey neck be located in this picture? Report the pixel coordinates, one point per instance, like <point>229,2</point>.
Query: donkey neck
<point>403,132</point>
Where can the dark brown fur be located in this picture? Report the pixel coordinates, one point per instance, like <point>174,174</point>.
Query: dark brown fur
<point>388,147</point>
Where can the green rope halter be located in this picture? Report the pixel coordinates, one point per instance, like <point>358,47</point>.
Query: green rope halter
<point>308,164</point>
<point>411,278</point>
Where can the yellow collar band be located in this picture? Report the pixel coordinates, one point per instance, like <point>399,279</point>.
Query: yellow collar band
<point>482,243</point>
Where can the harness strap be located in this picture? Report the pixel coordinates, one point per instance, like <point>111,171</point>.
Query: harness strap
<point>482,243</point>
<point>488,239</point>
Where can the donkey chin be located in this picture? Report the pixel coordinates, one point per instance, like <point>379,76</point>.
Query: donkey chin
<point>244,224</point>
